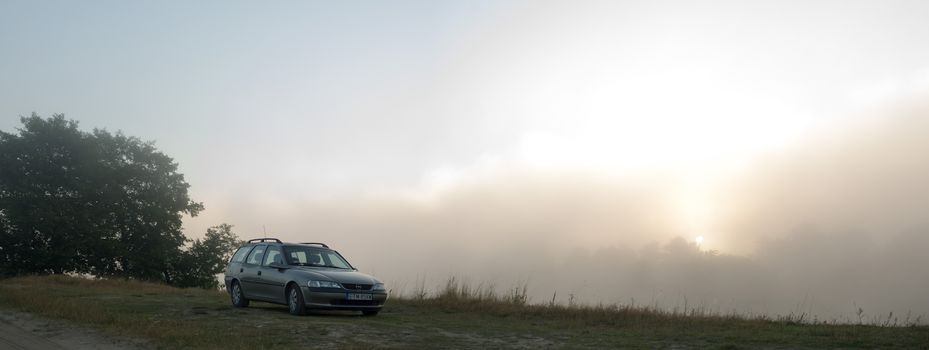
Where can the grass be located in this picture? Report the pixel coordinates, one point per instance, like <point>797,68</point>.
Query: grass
<point>459,316</point>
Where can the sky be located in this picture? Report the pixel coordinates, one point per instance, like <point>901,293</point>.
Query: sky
<point>504,139</point>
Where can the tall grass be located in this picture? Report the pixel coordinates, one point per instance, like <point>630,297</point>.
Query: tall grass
<point>457,313</point>
<point>459,296</point>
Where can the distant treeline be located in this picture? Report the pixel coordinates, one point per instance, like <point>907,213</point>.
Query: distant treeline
<point>99,203</point>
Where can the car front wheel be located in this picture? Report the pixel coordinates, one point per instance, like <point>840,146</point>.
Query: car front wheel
<point>295,301</point>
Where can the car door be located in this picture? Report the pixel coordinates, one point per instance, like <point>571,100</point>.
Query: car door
<point>234,268</point>
<point>273,279</point>
<point>248,272</point>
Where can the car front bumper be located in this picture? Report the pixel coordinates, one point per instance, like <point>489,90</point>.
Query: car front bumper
<point>319,298</point>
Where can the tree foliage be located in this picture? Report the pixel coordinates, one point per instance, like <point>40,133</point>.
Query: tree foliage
<point>89,202</point>
<point>199,265</point>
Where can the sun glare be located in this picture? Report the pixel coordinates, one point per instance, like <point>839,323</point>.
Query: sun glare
<point>699,240</point>
<point>671,130</point>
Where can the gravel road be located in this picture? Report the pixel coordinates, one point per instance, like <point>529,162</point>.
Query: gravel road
<point>22,331</point>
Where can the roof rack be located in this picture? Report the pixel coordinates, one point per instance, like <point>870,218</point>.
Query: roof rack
<point>264,240</point>
<point>315,243</point>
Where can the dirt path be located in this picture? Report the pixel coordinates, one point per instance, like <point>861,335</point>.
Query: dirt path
<point>22,331</point>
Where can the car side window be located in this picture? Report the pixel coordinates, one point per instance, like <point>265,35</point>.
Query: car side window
<point>273,256</point>
<point>255,257</point>
<point>240,254</point>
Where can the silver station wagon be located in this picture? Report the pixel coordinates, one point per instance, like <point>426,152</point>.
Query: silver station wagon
<point>302,276</point>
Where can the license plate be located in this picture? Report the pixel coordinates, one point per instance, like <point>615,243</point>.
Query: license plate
<point>355,296</point>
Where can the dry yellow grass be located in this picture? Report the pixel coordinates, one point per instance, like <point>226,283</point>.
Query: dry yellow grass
<point>457,317</point>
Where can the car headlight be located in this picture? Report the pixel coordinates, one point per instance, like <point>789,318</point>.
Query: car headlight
<point>323,284</point>
<point>379,287</point>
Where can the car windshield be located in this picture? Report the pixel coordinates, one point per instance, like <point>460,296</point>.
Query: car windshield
<point>311,256</point>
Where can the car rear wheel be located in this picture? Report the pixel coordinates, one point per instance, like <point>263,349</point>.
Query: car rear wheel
<point>295,301</point>
<point>238,298</point>
<point>370,312</point>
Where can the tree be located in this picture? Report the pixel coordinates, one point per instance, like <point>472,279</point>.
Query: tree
<point>98,203</point>
<point>199,265</point>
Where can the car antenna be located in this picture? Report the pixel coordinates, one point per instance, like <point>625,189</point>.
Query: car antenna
<point>264,231</point>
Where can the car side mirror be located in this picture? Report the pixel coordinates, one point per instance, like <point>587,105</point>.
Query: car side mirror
<point>278,266</point>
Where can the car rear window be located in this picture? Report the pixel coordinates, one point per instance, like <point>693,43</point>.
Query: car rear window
<point>240,254</point>
<point>256,255</point>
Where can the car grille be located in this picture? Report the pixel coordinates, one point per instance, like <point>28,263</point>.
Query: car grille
<point>352,286</point>
<point>356,302</point>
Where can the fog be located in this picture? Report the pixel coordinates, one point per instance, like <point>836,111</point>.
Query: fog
<point>577,148</point>
<point>831,224</point>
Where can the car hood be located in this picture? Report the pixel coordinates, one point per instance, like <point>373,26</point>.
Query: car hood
<point>341,276</point>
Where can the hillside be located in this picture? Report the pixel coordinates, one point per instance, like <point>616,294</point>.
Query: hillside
<point>167,317</point>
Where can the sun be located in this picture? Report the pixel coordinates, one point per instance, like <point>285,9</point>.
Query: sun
<point>699,240</point>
